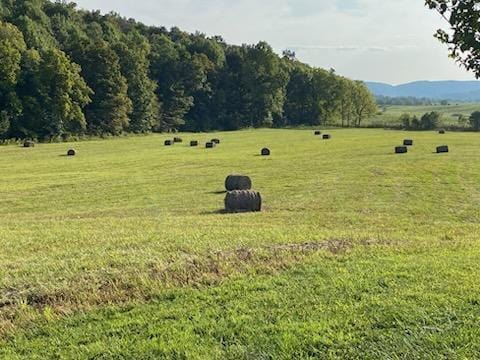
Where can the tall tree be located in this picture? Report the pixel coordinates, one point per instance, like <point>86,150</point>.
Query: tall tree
<point>133,52</point>
<point>265,79</point>
<point>64,93</point>
<point>474,120</point>
<point>346,107</point>
<point>300,103</point>
<point>53,95</point>
<point>167,65</point>
<point>12,48</point>
<point>110,107</point>
<point>363,103</point>
<point>29,17</point>
<point>326,89</point>
<point>463,37</point>
<point>207,61</point>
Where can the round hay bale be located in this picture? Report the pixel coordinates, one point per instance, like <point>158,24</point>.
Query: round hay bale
<point>401,150</point>
<point>215,141</point>
<point>210,145</point>
<point>265,152</point>
<point>238,182</point>
<point>194,143</point>
<point>318,133</point>
<point>408,142</point>
<point>327,137</point>
<point>243,201</point>
<point>442,149</point>
<point>177,140</point>
<point>28,144</point>
<point>442,132</point>
<point>168,142</point>
<point>71,152</point>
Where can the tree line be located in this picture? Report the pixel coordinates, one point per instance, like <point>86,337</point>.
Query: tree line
<point>69,72</point>
<point>403,101</point>
<point>432,120</point>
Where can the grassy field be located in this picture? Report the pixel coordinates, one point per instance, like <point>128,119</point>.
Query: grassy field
<point>391,114</point>
<point>121,251</point>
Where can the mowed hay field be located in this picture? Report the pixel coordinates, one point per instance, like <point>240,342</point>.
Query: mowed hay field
<point>122,251</point>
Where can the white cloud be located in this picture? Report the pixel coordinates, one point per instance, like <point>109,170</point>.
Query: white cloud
<point>381,40</point>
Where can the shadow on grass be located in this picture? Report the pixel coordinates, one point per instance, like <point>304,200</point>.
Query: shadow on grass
<point>215,212</point>
<point>226,212</point>
<point>221,192</point>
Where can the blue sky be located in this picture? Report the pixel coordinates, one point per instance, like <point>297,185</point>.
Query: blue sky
<point>376,40</point>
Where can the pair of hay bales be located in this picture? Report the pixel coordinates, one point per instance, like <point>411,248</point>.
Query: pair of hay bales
<point>212,144</point>
<point>324,136</point>
<point>404,149</point>
<point>31,144</point>
<point>240,197</point>
<point>408,142</point>
<point>176,140</point>
<point>440,149</point>
<point>443,149</point>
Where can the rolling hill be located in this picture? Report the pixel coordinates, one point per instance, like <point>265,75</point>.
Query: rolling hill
<point>451,90</point>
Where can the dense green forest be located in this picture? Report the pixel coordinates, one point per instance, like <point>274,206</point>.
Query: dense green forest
<point>68,72</point>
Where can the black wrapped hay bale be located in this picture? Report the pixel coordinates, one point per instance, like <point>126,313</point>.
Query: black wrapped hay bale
<point>168,142</point>
<point>318,133</point>
<point>327,137</point>
<point>71,152</point>
<point>28,144</point>
<point>243,201</point>
<point>401,150</point>
<point>215,141</point>
<point>210,145</point>
<point>194,143</point>
<point>177,140</point>
<point>408,142</point>
<point>238,182</point>
<point>442,149</point>
<point>265,152</point>
<point>442,131</point>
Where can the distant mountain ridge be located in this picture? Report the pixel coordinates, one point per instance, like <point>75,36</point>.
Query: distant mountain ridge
<point>438,90</point>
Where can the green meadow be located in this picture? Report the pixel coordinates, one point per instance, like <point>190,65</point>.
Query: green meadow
<point>122,252</point>
<point>390,115</point>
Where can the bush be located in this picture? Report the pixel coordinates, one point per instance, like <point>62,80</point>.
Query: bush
<point>428,121</point>
<point>474,120</point>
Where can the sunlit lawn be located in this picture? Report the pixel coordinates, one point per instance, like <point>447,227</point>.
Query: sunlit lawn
<point>359,253</point>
